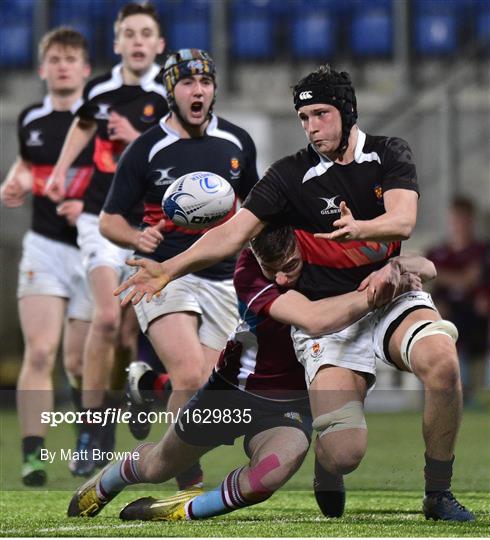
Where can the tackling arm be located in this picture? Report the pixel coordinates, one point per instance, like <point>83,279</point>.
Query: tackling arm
<point>214,246</point>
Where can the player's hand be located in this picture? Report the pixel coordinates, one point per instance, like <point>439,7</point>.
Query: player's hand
<point>148,281</point>
<point>150,238</point>
<point>70,210</point>
<point>347,227</point>
<point>55,187</point>
<point>11,193</point>
<point>409,282</point>
<point>382,285</point>
<point>119,128</point>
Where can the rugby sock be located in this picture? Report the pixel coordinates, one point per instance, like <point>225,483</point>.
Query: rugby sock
<point>193,476</point>
<point>160,386</point>
<point>31,445</point>
<point>438,474</point>
<point>222,500</point>
<point>120,474</point>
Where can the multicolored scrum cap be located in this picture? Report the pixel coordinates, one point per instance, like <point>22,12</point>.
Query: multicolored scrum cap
<point>185,63</point>
<point>333,88</point>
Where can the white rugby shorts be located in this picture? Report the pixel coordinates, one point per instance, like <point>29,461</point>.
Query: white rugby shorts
<point>51,268</point>
<point>359,345</point>
<point>214,301</point>
<point>96,249</point>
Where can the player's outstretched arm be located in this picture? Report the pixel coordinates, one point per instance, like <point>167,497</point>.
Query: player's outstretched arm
<point>79,135</point>
<point>396,223</point>
<point>217,244</point>
<point>16,185</point>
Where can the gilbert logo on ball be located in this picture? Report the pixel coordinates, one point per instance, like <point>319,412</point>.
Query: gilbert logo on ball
<point>197,200</point>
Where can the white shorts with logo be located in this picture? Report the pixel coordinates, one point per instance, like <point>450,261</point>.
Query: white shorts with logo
<point>96,249</point>
<point>359,345</point>
<point>214,301</point>
<point>51,268</point>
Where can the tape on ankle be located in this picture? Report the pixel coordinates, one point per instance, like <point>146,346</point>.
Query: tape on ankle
<point>263,467</point>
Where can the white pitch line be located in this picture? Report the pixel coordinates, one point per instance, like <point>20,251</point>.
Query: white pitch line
<point>77,528</point>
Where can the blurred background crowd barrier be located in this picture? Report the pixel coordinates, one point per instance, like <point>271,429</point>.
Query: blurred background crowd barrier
<point>421,70</point>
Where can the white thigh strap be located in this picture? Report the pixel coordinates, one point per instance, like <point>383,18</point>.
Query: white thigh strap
<point>422,329</point>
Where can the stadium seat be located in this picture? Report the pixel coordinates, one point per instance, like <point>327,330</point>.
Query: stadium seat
<point>187,24</point>
<point>435,34</point>
<point>312,34</point>
<point>16,45</point>
<point>252,29</point>
<point>482,25</point>
<point>372,33</point>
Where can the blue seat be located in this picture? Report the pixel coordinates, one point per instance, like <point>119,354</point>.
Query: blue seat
<point>252,29</point>
<point>483,29</point>
<point>16,45</point>
<point>187,24</point>
<point>436,35</point>
<point>313,34</point>
<point>372,33</point>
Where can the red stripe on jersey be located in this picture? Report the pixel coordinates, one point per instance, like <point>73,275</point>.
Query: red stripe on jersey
<point>153,213</point>
<point>327,253</point>
<point>77,180</point>
<point>106,154</point>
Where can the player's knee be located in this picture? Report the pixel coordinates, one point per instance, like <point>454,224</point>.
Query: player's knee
<point>344,454</point>
<point>438,369</point>
<point>106,321</point>
<point>39,357</point>
<point>186,380</point>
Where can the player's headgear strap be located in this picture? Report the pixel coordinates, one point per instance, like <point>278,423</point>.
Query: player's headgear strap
<point>185,63</point>
<point>334,89</point>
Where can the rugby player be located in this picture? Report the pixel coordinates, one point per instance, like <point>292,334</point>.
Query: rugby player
<point>117,107</point>
<point>199,310</point>
<point>52,286</point>
<point>258,383</point>
<point>314,190</point>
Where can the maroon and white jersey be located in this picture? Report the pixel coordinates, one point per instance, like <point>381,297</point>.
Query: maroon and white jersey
<point>41,133</point>
<point>259,357</point>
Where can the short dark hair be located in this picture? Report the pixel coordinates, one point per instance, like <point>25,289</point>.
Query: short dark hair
<point>274,243</point>
<point>463,204</point>
<point>65,37</point>
<point>137,8</point>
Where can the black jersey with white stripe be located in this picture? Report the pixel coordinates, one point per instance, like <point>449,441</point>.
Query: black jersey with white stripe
<point>160,156</point>
<point>305,191</point>
<point>41,133</point>
<point>143,105</point>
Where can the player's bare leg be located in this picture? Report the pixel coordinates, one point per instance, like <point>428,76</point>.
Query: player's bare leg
<point>276,454</point>
<point>148,463</point>
<point>342,439</point>
<point>41,319</point>
<point>188,363</point>
<point>74,337</point>
<point>434,361</point>
<point>98,361</point>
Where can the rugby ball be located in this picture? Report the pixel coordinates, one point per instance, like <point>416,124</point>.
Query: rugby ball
<point>198,200</point>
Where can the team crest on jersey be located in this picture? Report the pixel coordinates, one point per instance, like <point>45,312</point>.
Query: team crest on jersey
<point>102,111</point>
<point>316,350</point>
<point>294,416</point>
<point>163,177</point>
<point>30,275</point>
<point>332,207</point>
<point>35,138</point>
<point>235,170</point>
<point>148,113</point>
<point>378,192</point>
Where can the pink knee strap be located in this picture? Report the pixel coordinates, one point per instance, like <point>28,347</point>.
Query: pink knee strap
<point>255,474</point>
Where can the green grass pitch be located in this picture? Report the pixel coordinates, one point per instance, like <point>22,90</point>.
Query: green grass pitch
<point>384,494</point>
